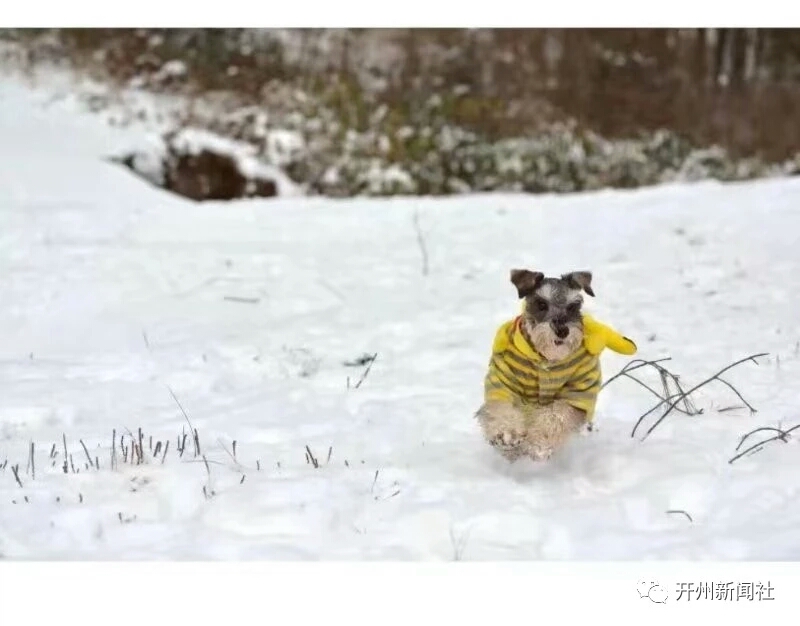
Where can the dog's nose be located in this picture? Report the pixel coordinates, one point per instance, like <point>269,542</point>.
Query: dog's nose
<point>561,331</point>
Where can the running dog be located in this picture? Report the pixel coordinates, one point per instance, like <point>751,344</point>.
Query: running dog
<point>544,373</point>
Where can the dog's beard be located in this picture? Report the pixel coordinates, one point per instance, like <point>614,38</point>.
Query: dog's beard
<point>553,348</point>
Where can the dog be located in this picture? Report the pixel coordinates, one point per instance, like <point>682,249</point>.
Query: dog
<point>544,374</point>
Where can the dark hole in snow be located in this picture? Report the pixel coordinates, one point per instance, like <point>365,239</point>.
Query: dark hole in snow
<point>199,175</point>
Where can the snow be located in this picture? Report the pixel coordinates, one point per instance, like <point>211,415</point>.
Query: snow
<point>114,293</point>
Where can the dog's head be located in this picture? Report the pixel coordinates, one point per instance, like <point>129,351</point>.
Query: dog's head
<point>552,315</point>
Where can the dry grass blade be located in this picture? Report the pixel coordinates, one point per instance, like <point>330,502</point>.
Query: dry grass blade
<point>180,406</point>
<point>32,457</point>
<point>114,449</point>
<point>15,471</point>
<point>421,243</point>
<point>311,458</point>
<point>233,456</point>
<point>86,452</point>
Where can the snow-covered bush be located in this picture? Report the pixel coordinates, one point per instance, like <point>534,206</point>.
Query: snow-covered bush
<point>332,136</point>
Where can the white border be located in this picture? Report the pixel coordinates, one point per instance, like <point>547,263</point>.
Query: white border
<point>382,593</point>
<point>409,13</point>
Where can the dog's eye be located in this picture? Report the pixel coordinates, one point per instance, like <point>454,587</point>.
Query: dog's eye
<point>540,305</point>
<point>573,308</point>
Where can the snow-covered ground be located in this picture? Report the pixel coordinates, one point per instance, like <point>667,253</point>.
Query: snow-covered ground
<point>115,294</point>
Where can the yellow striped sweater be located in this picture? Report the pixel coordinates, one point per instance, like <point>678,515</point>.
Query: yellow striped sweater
<point>518,373</point>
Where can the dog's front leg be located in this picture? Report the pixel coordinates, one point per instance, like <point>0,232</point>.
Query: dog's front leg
<point>503,425</point>
<point>550,427</point>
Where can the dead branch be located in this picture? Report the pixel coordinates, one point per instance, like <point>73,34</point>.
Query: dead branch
<point>633,364</point>
<point>665,376</point>
<point>780,437</point>
<point>708,380</point>
<point>781,433</point>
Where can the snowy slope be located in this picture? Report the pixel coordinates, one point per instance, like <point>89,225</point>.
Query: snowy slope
<point>113,293</point>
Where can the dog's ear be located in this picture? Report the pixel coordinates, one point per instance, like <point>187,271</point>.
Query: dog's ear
<point>526,281</point>
<point>580,280</point>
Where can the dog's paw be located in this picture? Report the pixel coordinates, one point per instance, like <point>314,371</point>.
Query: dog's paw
<point>507,439</point>
<point>540,453</point>
<point>508,443</point>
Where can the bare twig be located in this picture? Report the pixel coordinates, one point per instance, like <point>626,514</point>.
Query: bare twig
<point>679,512</point>
<point>366,371</point>
<point>634,364</point>
<point>374,480</point>
<point>783,436</point>
<point>736,391</point>
<point>665,375</point>
<point>655,393</point>
<point>691,391</point>
<point>33,462</point>
<point>421,242</point>
<point>733,407</point>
